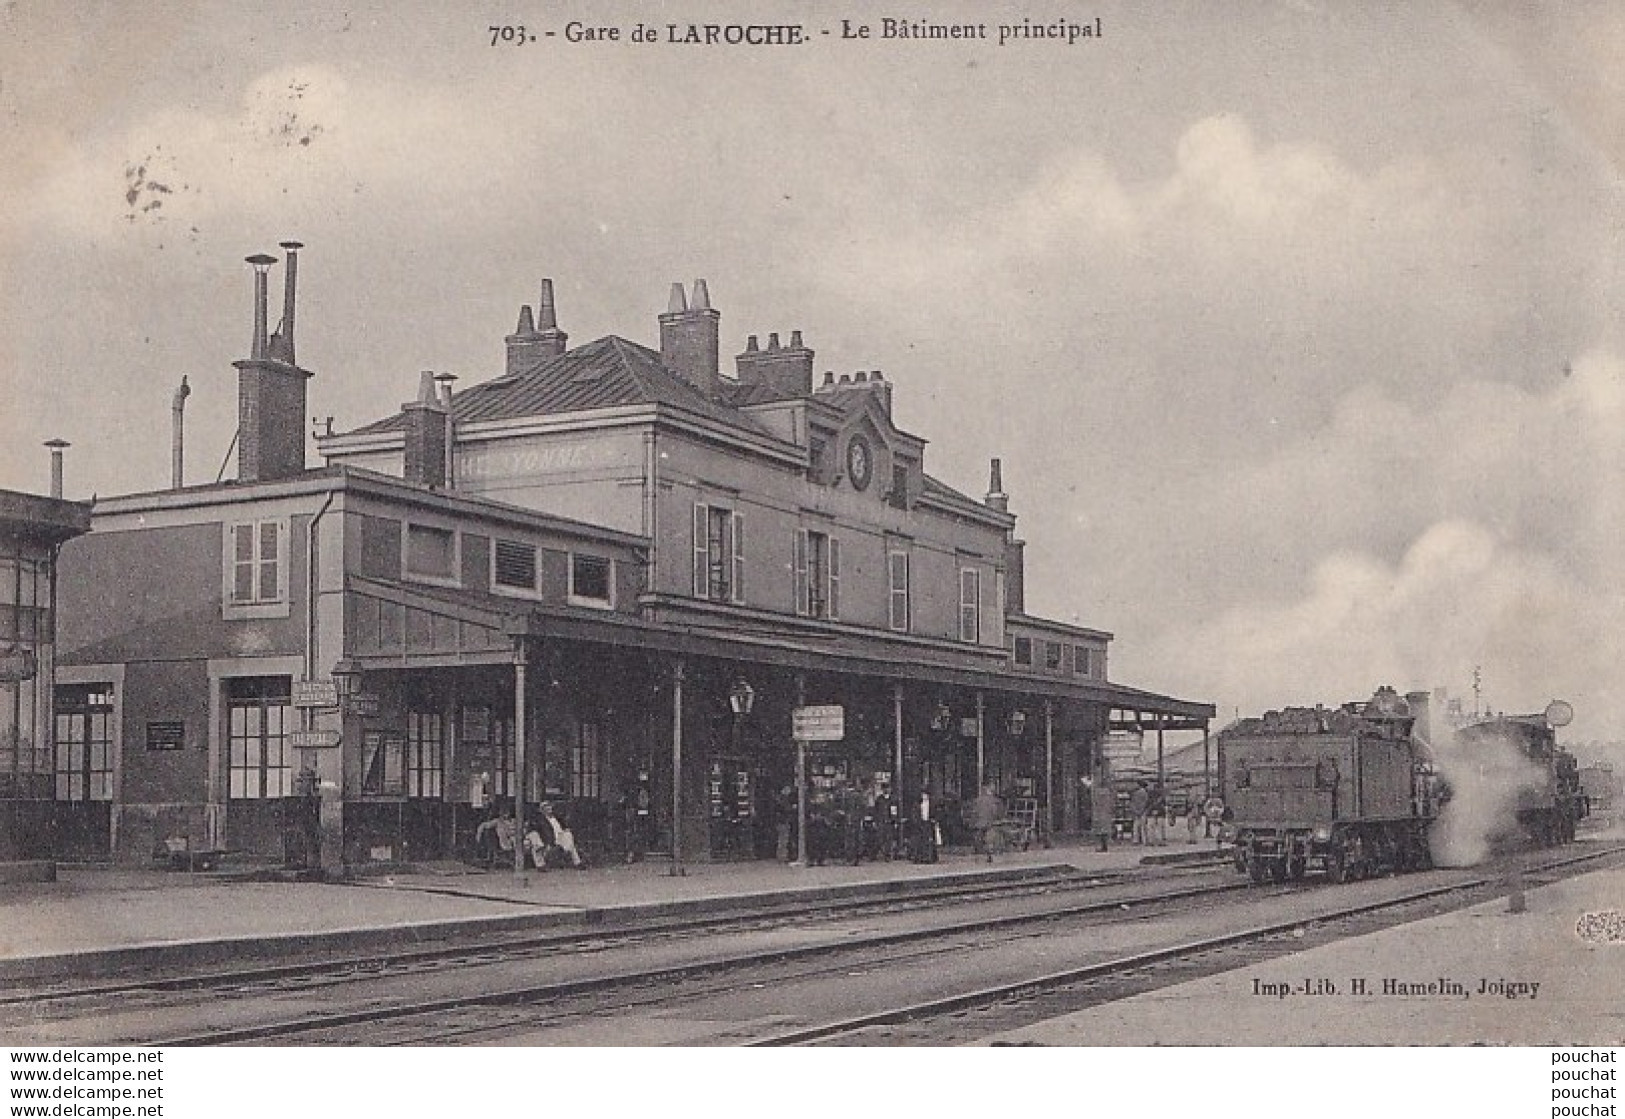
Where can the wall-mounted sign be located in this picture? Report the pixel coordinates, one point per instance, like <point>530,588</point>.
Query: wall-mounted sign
<point>313,739</point>
<point>167,735</point>
<point>363,704</point>
<point>819,724</point>
<point>1121,745</point>
<point>17,666</point>
<point>476,723</point>
<point>315,693</point>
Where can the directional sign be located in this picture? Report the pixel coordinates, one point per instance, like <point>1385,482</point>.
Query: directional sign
<point>313,739</point>
<point>315,693</point>
<point>819,724</point>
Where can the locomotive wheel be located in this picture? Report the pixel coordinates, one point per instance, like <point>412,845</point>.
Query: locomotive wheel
<point>1278,869</point>
<point>1258,871</point>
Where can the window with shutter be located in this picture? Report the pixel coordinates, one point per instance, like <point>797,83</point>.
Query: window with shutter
<point>834,577</point>
<point>897,565</point>
<point>739,558</point>
<point>970,604</point>
<point>801,570</point>
<point>702,560</point>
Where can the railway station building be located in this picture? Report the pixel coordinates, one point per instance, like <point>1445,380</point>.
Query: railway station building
<point>605,577</point>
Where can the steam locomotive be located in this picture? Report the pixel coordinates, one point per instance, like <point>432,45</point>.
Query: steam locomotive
<point>1356,790</point>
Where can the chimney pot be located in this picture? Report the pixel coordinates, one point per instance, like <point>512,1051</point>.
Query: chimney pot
<point>773,341</point>
<point>426,393</point>
<point>677,303</point>
<point>795,339</point>
<point>702,297</point>
<point>862,377</point>
<point>547,316</point>
<point>751,346</point>
<point>57,447</point>
<point>846,378</point>
<point>527,324</point>
<point>829,376</point>
<point>875,376</point>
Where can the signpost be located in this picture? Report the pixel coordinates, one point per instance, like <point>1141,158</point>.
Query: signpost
<point>825,723</point>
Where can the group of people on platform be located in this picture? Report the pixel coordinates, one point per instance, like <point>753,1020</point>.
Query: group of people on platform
<point>547,841</point>
<point>1154,816</point>
<point>855,824</point>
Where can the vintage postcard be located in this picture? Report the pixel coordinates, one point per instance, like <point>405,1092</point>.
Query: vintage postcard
<point>973,524</point>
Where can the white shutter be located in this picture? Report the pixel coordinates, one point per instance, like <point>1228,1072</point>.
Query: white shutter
<point>898,563</point>
<point>702,566</point>
<point>970,588</point>
<point>801,570</point>
<point>739,558</point>
<point>834,577</point>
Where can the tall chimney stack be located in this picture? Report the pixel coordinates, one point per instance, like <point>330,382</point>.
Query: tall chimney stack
<point>996,497</point>
<point>271,388</point>
<point>177,448</point>
<point>689,333</point>
<point>57,447</point>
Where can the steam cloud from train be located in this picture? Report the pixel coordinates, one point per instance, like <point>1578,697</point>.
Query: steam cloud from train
<point>1487,779</point>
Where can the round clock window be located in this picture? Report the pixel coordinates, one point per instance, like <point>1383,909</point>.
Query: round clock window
<point>859,463</point>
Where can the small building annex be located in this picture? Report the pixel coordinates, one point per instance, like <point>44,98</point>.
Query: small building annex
<point>605,577</point>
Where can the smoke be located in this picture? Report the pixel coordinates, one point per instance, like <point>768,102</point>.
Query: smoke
<point>1487,776</point>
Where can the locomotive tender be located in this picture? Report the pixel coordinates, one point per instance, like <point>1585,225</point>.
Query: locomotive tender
<point>1353,791</point>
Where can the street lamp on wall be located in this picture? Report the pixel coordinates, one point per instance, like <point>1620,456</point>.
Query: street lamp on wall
<point>1017,723</point>
<point>741,697</point>
<point>347,678</point>
<point>944,717</point>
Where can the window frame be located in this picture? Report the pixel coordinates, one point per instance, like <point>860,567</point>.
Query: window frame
<point>261,604</point>
<point>261,746</point>
<point>81,705</point>
<point>730,543</point>
<point>818,574</point>
<point>1082,660</point>
<point>1054,656</point>
<point>1018,644</point>
<point>896,593</point>
<point>970,578</point>
<point>576,598</point>
<point>455,579</point>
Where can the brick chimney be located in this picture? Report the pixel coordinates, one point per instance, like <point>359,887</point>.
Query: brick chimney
<point>996,497</point>
<point>1015,575</point>
<point>271,387</point>
<point>688,338</point>
<point>786,370</point>
<point>426,435</point>
<point>536,340</point>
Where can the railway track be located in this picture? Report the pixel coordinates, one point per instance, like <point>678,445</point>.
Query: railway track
<point>472,1016</point>
<point>977,1014</point>
<point>576,941</point>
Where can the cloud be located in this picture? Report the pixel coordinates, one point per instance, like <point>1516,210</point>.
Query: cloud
<point>1487,530</point>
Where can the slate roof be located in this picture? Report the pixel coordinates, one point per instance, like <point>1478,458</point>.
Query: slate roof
<point>605,373</point>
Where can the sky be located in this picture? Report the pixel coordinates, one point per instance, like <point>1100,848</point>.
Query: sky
<point>1296,325</point>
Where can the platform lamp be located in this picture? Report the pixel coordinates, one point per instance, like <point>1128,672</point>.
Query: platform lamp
<point>1017,722</point>
<point>347,679</point>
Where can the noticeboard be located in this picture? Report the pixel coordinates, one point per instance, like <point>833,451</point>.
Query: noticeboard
<point>819,724</point>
